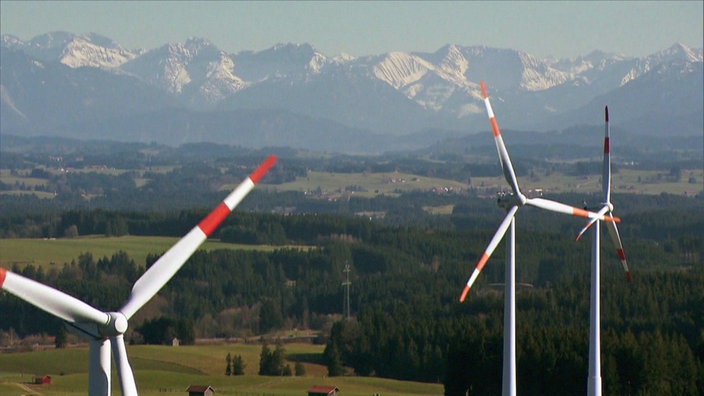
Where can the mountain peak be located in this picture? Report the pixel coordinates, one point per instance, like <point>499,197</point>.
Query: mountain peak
<point>399,69</point>
<point>197,44</point>
<point>677,52</point>
<point>397,92</point>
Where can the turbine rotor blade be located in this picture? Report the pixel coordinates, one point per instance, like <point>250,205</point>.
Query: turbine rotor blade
<point>599,215</point>
<point>51,300</point>
<point>506,166</point>
<point>99,370</point>
<point>606,169</point>
<point>500,232</point>
<point>124,370</point>
<point>558,207</point>
<point>166,267</point>
<point>616,238</point>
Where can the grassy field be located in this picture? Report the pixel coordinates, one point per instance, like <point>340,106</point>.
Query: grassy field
<point>328,184</point>
<point>623,181</point>
<point>387,183</point>
<point>651,182</point>
<point>161,369</point>
<point>56,252</point>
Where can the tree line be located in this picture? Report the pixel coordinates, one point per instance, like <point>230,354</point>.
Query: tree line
<point>406,279</point>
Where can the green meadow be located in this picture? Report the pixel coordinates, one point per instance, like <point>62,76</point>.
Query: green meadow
<point>162,369</point>
<point>367,184</point>
<point>650,182</point>
<point>690,182</point>
<point>49,253</point>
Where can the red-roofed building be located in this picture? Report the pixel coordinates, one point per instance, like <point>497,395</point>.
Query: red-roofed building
<point>42,379</point>
<point>323,391</point>
<point>200,390</point>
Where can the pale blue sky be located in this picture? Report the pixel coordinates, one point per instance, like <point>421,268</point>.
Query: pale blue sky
<point>562,29</point>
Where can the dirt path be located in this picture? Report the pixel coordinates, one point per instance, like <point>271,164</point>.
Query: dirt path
<point>24,387</point>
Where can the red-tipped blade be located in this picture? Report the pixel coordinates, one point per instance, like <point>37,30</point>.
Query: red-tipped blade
<point>263,168</point>
<point>506,166</point>
<point>616,239</point>
<point>166,267</point>
<point>500,232</point>
<point>598,217</point>
<point>213,220</point>
<point>606,166</point>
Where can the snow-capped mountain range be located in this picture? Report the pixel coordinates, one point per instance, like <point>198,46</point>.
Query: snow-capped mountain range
<point>87,85</point>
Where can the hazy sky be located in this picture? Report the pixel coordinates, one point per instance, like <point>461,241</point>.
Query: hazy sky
<point>562,29</point>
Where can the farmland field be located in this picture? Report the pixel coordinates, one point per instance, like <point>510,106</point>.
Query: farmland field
<point>56,252</point>
<point>650,182</point>
<point>161,369</point>
<point>691,182</point>
<point>368,184</point>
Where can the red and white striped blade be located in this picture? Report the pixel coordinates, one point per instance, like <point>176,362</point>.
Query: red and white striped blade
<point>166,267</point>
<point>599,214</point>
<point>99,370</point>
<point>500,232</point>
<point>616,238</point>
<point>606,168</point>
<point>51,300</point>
<point>124,370</point>
<point>506,166</point>
<point>558,207</point>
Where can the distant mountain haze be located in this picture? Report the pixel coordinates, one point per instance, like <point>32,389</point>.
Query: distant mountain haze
<point>88,86</point>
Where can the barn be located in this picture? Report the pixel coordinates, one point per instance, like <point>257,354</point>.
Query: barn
<point>42,379</point>
<point>323,391</point>
<point>200,390</point>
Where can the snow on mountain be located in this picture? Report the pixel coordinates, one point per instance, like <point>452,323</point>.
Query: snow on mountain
<point>678,53</point>
<point>393,93</point>
<point>82,52</point>
<point>282,61</point>
<point>399,69</point>
<point>195,69</point>
<point>537,75</point>
<point>11,42</point>
<point>74,50</point>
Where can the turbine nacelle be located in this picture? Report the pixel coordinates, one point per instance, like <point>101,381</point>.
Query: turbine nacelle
<point>116,325</point>
<point>506,200</point>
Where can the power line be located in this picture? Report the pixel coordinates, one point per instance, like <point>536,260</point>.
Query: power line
<point>346,284</point>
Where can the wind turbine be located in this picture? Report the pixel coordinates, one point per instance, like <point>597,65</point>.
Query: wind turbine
<point>512,203</point>
<point>107,329</point>
<point>594,375</point>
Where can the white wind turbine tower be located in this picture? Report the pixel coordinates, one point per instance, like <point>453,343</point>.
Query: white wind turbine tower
<point>107,329</point>
<point>512,203</point>
<point>594,375</point>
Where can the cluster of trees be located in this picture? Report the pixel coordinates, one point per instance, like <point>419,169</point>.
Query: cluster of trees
<point>235,365</point>
<point>407,323</point>
<point>163,330</point>
<point>652,340</point>
<point>273,362</point>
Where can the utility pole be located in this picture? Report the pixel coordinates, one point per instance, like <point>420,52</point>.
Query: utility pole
<point>346,284</point>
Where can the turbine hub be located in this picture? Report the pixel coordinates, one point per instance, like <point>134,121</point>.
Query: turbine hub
<point>116,326</point>
<point>508,200</point>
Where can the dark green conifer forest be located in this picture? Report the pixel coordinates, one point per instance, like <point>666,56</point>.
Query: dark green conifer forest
<point>407,271</point>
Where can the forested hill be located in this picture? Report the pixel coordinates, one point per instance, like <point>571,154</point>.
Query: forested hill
<point>406,281</point>
<point>410,251</point>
